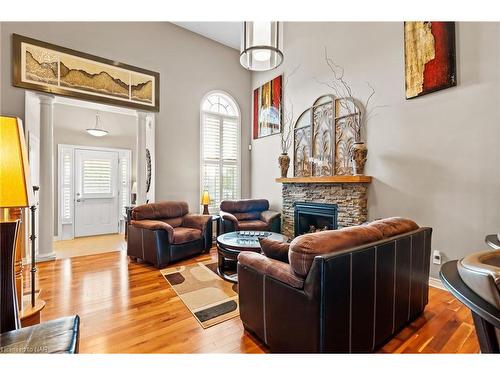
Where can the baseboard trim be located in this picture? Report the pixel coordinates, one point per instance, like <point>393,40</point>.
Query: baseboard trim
<point>436,283</point>
<point>46,257</point>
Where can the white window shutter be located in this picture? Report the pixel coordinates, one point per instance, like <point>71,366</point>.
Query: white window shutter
<point>66,185</point>
<point>220,169</point>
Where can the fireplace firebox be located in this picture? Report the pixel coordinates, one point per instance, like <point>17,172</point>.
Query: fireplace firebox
<point>312,217</point>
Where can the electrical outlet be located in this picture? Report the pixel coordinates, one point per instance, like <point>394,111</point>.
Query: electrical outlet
<point>436,257</point>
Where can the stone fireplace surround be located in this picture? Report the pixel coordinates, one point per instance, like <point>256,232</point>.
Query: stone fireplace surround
<point>349,194</point>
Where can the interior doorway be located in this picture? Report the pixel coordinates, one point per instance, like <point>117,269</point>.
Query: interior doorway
<point>102,170</point>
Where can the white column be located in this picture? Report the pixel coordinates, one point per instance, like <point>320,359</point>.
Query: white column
<point>46,192</point>
<point>142,118</point>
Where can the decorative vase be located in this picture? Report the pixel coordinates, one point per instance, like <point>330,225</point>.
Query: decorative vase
<point>284,162</point>
<point>358,152</point>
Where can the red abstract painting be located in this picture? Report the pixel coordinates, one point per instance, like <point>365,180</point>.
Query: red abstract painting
<point>430,57</point>
<point>267,108</point>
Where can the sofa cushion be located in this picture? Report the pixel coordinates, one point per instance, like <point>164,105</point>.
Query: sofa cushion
<point>270,267</point>
<point>250,215</point>
<point>393,226</point>
<point>252,225</point>
<point>52,337</point>
<point>275,249</point>
<point>245,205</point>
<point>160,210</point>
<point>304,248</point>
<point>183,235</point>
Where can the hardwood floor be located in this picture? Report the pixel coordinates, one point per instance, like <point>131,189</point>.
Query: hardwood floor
<point>127,307</point>
<point>89,245</point>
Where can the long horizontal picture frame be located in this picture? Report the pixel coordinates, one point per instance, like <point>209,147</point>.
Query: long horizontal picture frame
<point>58,70</point>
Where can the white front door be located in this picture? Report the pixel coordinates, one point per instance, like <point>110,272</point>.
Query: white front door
<point>96,192</point>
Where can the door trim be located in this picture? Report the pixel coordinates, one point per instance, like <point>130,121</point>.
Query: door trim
<point>66,231</point>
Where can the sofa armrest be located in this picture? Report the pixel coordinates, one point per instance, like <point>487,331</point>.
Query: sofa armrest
<point>268,216</point>
<point>229,222</point>
<point>203,223</point>
<point>196,221</point>
<point>270,267</point>
<point>155,225</point>
<point>228,216</point>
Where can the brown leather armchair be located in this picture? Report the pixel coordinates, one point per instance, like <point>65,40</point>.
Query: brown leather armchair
<point>249,214</point>
<point>165,232</point>
<point>343,291</point>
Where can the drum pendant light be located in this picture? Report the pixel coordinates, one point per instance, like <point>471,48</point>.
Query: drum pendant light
<point>261,45</point>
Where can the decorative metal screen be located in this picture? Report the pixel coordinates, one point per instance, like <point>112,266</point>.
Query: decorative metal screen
<point>323,137</point>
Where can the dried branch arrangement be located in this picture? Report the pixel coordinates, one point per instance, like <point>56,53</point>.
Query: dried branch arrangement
<point>287,121</point>
<point>348,102</point>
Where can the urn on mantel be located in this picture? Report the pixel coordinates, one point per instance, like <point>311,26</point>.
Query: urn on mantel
<point>284,162</point>
<point>359,153</point>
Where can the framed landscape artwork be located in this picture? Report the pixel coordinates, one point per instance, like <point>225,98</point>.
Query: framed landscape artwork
<point>49,68</point>
<point>267,108</point>
<point>430,57</point>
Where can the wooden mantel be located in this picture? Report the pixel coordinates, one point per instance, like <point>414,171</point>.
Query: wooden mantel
<point>326,180</point>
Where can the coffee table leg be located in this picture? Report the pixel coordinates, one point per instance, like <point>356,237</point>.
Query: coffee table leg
<point>221,268</point>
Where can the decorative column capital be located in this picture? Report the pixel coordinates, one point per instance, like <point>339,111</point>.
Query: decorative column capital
<point>142,115</point>
<point>46,99</point>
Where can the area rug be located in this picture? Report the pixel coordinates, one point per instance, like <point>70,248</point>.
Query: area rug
<point>210,299</point>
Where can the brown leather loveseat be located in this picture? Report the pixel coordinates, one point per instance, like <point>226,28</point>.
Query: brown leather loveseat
<point>248,214</point>
<point>165,232</point>
<point>341,291</point>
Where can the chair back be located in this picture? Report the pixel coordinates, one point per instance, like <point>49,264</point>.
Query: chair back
<point>9,316</point>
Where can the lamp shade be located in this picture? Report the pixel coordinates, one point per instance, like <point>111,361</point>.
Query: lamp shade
<point>15,181</point>
<point>205,198</point>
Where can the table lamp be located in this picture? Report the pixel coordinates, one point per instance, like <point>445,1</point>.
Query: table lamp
<point>205,201</point>
<point>15,192</point>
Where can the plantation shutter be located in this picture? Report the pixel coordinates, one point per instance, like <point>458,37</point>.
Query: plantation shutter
<point>125,184</point>
<point>230,158</point>
<point>96,177</point>
<point>66,168</point>
<point>220,157</point>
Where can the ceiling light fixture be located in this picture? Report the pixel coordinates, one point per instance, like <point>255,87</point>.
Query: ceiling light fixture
<point>261,45</point>
<point>97,130</point>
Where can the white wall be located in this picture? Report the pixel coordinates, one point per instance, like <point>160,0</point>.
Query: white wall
<point>190,66</point>
<point>434,159</point>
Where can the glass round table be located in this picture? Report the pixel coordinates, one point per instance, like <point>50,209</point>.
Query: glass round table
<point>229,245</point>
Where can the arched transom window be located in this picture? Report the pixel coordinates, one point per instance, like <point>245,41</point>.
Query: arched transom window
<point>220,148</point>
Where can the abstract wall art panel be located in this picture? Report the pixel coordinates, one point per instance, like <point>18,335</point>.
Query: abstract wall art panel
<point>430,57</point>
<point>49,68</point>
<point>267,108</point>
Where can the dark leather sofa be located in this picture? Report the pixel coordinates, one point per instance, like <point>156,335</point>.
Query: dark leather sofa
<point>248,214</point>
<point>343,291</point>
<point>55,336</point>
<point>165,232</point>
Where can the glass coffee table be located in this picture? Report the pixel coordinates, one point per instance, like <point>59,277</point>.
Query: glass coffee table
<point>229,245</point>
